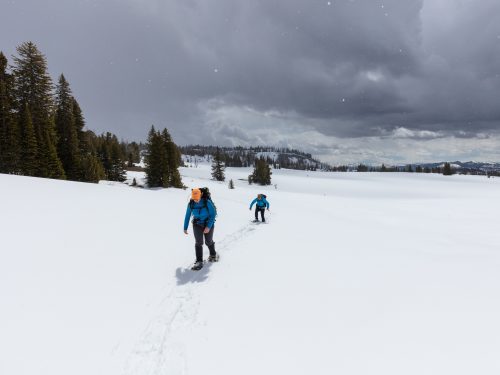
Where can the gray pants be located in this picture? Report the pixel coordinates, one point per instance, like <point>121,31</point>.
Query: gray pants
<point>198,235</point>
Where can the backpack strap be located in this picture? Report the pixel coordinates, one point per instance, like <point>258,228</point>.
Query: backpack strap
<point>205,204</point>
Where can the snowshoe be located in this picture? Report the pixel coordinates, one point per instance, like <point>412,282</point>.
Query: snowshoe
<point>213,258</point>
<point>197,266</point>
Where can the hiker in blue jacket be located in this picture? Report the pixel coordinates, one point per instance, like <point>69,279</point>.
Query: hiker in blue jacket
<point>203,212</point>
<point>260,206</point>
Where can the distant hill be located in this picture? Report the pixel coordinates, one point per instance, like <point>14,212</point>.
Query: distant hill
<point>295,159</point>
<point>468,167</point>
<point>245,157</point>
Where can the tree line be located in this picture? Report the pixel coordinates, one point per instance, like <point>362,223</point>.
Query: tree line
<point>445,169</point>
<point>247,156</point>
<point>42,126</point>
<point>260,175</point>
<point>42,131</point>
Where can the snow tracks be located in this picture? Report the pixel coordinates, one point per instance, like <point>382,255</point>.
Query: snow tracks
<point>160,348</point>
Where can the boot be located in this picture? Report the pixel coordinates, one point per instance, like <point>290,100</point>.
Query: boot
<point>213,257</point>
<point>197,266</point>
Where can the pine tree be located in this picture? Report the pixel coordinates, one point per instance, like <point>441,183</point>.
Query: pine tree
<point>117,161</point>
<point>135,153</point>
<point>49,153</point>
<point>33,86</point>
<point>362,168</point>
<point>79,125</point>
<point>92,169</point>
<point>9,135</point>
<point>165,153</point>
<point>218,167</point>
<point>67,136</point>
<point>29,146</point>
<point>162,160</point>
<point>447,171</point>
<point>11,150</point>
<point>174,160</point>
<point>5,113</point>
<point>152,160</point>
<point>111,156</point>
<point>261,173</point>
<point>49,164</point>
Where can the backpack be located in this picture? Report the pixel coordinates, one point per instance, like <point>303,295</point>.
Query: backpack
<point>205,196</point>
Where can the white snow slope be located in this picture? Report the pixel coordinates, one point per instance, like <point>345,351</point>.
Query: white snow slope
<point>356,273</point>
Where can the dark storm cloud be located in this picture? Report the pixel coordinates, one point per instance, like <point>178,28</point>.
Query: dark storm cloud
<point>320,60</point>
<point>347,68</point>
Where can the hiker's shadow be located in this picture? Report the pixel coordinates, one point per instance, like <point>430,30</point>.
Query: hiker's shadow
<point>186,275</point>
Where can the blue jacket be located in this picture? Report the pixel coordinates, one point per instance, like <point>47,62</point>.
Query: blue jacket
<point>202,213</point>
<point>261,203</point>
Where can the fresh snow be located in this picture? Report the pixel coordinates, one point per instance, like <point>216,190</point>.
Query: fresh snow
<point>356,273</point>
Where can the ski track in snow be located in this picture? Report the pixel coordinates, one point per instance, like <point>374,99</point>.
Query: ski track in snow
<point>158,351</point>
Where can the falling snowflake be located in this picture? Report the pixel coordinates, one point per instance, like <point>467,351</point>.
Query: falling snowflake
<point>216,70</point>
<point>329,3</point>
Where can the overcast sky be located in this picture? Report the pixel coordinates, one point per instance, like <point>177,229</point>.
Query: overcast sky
<point>348,80</point>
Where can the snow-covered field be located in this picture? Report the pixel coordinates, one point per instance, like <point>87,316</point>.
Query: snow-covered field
<point>356,273</point>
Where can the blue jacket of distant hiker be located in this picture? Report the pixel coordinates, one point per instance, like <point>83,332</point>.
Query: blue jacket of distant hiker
<point>261,203</point>
<point>203,213</point>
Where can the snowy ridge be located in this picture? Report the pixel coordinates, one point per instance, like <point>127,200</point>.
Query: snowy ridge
<point>244,157</point>
<point>466,166</point>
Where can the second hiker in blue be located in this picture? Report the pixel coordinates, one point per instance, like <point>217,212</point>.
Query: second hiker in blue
<point>203,211</point>
<point>260,206</point>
